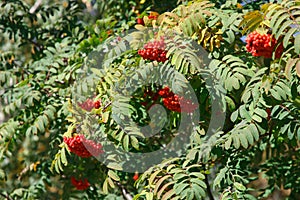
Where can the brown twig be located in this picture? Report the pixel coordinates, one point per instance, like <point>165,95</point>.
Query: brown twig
<point>106,106</point>
<point>125,194</point>
<point>210,195</point>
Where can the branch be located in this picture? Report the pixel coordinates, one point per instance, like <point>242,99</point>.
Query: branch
<point>39,46</point>
<point>5,196</point>
<point>106,106</point>
<point>125,194</point>
<point>211,197</point>
<point>35,6</point>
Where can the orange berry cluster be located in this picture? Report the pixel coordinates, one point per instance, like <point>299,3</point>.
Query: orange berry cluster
<point>154,50</point>
<point>263,45</point>
<point>79,144</point>
<point>176,103</point>
<point>80,184</point>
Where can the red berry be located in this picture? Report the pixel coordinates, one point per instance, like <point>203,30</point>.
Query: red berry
<point>135,177</point>
<point>97,104</point>
<point>140,21</point>
<point>80,184</point>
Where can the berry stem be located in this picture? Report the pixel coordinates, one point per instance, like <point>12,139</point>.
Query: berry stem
<point>267,63</point>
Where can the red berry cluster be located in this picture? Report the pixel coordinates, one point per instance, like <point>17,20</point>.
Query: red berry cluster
<point>83,147</point>
<point>89,104</point>
<point>80,184</point>
<point>176,103</point>
<point>149,97</point>
<point>263,45</point>
<point>153,17</point>
<point>154,51</point>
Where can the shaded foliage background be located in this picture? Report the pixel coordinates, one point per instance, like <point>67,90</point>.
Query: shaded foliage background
<point>43,51</point>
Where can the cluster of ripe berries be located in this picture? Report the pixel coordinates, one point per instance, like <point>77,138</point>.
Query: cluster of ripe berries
<point>154,50</point>
<point>263,45</point>
<point>152,16</point>
<point>80,184</point>
<point>83,147</point>
<point>89,104</point>
<point>150,98</point>
<point>176,103</point>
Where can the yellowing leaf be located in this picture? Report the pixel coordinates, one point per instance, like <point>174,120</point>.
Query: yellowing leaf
<point>253,14</point>
<point>157,185</point>
<point>298,68</point>
<point>113,175</point>
<point>105,187</point>
<point>288,68</point>
<point>140,27</point>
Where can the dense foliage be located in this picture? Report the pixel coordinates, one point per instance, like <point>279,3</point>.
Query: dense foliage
<point>93,90</point>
